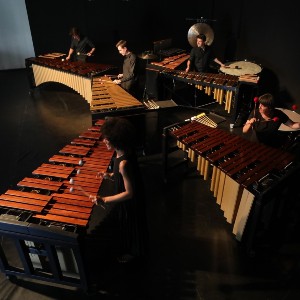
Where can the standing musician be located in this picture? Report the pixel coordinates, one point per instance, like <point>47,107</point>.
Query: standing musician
<point>129,196</point>
<point>266,120</point>
<point>201,56</point>
<point>81,46</point>
<point>129,78</point>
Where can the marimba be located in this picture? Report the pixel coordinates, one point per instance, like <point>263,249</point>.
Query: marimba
<point>76,75</point>
<point>240,172</point>
<point>108,96</point>
<point>47,215</point>
<point>172,62</point>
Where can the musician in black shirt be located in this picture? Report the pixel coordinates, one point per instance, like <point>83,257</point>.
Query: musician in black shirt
<point>81,46</point>
<point>128,79</point>
<point>266,120</point>
<point>201,56</point>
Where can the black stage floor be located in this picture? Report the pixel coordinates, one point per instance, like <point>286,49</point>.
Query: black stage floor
<point>193,254</point>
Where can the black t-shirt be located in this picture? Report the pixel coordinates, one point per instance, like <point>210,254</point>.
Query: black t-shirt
<point>84,45</point>
<point>201,58</point>
<point>267,130</point>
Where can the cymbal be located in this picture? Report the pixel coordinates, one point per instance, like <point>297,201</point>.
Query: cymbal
<point>200,28</point>
<point>148,56</point>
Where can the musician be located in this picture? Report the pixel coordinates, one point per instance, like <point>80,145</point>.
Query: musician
<point>119,134</point>
<point>81,46</point>
<point>266,120</point>
<point>201,56</point>
<point>129,77</point>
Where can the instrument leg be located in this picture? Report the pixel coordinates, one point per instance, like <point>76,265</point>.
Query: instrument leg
<point>195,97</point>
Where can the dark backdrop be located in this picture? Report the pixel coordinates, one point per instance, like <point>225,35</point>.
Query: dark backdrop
<point>253,30</point>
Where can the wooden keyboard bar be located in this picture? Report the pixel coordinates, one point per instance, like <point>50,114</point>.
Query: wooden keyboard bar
<point>83,203</point>
<point>28,195</point>
<point>53,171</point>
<point>37,183</point>
<point>75,150</point>
<point>83,142</point>
<point>31,201</point>
<point>91,135</point>
<point>62,219</point>
<point>21,206</point>
<point>80,212</point>
<point>65,159</point>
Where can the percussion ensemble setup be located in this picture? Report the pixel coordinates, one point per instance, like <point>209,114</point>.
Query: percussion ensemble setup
<point>46,216</point>
<point>223,87</point>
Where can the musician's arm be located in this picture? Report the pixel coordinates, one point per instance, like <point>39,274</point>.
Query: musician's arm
<point>188,65</point>
<point>248,125</point>
<point>70,53</point>
<point>128,185</point>
<point>91,52</point>
<point>216,60</point>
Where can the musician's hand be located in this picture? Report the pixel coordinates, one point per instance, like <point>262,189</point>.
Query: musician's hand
<point>94,199</point>
<point>117,81</point>
<point>251,121</point>
<point>105,175</point>
<point>187,69</point>
<point>102,175</point>
<point>97,199</point>
<point>120,76</point>
<point>68,57</point>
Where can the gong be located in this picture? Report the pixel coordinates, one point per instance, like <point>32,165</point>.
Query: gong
<point>200,28</point>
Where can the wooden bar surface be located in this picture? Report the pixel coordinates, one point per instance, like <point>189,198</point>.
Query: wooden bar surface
<point>53,171</point>
<point>62,219</point>
<point>76,150</point>
<point>21,206</point>
<point>37,183</point>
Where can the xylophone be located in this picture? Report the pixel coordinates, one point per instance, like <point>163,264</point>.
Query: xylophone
<point>76,75</point>
<point>240,171</point>
<point>47,215</point>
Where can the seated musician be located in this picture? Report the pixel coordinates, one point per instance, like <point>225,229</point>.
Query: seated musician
<point>81,46</point>
<point>266,120</point>
<point>202,56</point>
<point>128,79</point>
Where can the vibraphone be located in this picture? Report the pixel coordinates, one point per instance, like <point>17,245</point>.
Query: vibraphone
<point>47,215</point>
<point>76,75</point>
<point>223,87</point>
<point>242,174</point>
